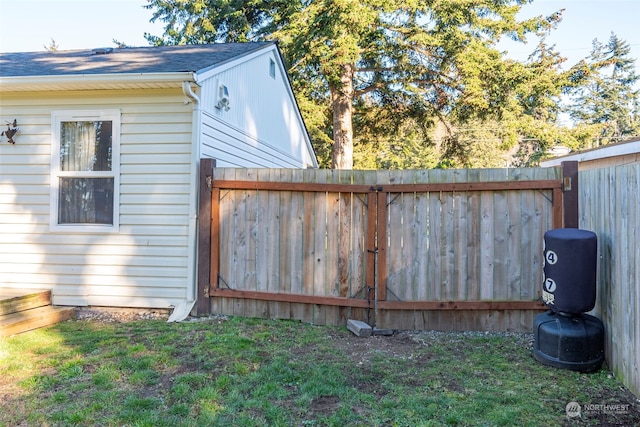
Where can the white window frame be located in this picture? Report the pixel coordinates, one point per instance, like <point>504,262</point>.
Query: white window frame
<point>59,116</point>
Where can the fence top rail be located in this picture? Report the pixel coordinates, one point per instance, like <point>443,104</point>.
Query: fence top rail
<point>545,184</point>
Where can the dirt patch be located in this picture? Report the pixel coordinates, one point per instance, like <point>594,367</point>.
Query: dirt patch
<point>615,407</point>
<point>361,350</point>
<point>324,405</point>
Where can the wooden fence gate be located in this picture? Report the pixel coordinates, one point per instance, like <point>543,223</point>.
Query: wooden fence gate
<point>436,249</point>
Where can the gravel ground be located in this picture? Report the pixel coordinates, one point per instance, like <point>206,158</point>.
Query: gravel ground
<point>120,315</point>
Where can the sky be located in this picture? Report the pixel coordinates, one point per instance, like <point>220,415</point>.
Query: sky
<point>30,25</point>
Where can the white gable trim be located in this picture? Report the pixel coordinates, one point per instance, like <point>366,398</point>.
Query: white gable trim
<point>206,73</point>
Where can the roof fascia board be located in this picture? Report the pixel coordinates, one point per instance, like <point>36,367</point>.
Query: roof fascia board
<point>90,80</point>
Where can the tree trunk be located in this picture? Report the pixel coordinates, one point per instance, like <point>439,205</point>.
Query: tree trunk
<point>342,104</point>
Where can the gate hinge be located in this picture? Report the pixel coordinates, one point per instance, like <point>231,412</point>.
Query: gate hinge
<point>210,182</point>
<point>566,183</point>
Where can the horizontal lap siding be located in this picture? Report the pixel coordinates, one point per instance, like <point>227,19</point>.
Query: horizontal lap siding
<point>145,264</point>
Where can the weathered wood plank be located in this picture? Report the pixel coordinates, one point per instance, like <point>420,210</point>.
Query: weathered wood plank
<point>308,249</point>
<point>265,245</point>
<point>609,206</point>
<point>444,240</point>
<point>393,187</point>
<point>227,201</point>
<point>487,239</point>
<point>320,245</point>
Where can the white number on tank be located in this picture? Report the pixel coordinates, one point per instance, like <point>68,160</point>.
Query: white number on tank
<point>550,285</point>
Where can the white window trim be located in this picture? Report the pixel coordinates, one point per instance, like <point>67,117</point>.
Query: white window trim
<point>79,115</point>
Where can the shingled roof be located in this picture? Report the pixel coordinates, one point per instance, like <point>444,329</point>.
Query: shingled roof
<point>158,59</point>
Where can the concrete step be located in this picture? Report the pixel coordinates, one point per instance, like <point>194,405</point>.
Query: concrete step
<point>34,318</point>
<point>16,300</point>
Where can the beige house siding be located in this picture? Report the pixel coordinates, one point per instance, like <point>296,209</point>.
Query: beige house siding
<point>145,264</point>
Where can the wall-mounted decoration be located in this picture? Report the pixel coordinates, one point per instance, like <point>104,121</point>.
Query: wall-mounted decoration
<point>12,129</point>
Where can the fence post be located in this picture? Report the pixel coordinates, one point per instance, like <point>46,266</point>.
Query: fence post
<point>203,304</point>
<point>570,194</point>
<point>381,281</point>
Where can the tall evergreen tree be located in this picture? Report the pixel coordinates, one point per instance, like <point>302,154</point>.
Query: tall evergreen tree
<point>608,101</point>
<point>419,58</point>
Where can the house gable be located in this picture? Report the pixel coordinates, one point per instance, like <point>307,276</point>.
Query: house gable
<point>164,114</point>
<point>261,126</point>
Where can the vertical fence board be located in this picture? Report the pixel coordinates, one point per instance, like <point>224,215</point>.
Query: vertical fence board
<point>486,242</point>
<point>227,241</point>
<point>359,255</point>
<point>421,241</point>
<point>500,254</point>
<point>264,242</point>
<point>244,270</point>
<point>609,206</point>
<point>394,243</point>
<point>435,246</point>
<point>337,267</point>
<point>472,232</point>
<point>460,237</point>
<point>405,220</point>
<point>448,234</point>
<point>436,238</point>
<point>633,274</point>
<point>321,200</point>
<point>309,247</point>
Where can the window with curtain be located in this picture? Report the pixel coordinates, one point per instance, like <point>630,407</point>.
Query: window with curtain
<point>84,169</point>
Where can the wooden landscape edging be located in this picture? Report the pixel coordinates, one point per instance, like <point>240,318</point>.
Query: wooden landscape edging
<point>374,290</point>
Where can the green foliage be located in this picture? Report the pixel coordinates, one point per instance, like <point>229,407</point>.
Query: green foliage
<point>377,81</point>
<point>608,103</point>
<point>412,58</point>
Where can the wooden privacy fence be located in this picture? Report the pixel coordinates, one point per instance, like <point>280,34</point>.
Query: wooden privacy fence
<point>438,249</point>
<point>610,207</point>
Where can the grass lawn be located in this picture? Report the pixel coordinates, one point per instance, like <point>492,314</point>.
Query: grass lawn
<point>248,372</point>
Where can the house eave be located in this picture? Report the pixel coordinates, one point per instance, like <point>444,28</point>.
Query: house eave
<point>606,151</point>
<point>95,82</point>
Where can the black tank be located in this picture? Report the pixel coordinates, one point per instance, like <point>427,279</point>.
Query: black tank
<point>573,342</point>
<point>570,259</point>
